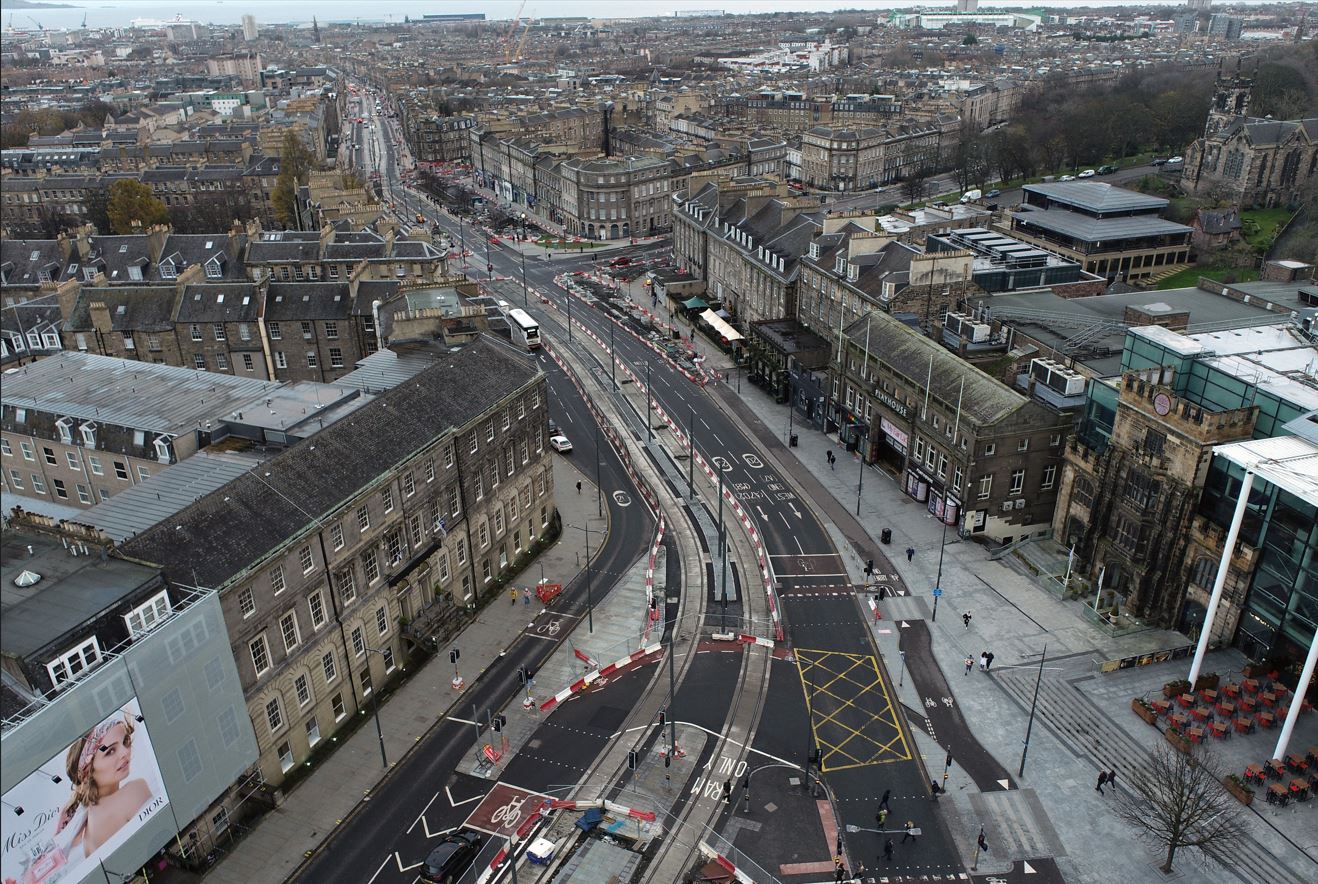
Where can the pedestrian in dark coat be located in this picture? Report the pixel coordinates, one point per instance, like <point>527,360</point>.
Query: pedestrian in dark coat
<point>1112,778</point>
<point>988,661</point>
<point>1102,778</point>
<point>965,618</point>
<point>887,850</point>
<point>910,553</point>
<point>908,831</point>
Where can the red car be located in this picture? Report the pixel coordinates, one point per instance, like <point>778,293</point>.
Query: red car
<point>620,262</point>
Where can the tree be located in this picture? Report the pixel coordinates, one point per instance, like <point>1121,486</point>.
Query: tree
<point>295,162</point>
<point>970,40</point>
<point>915,185</point>
<point>132,206</point>
<point>1180,802</point>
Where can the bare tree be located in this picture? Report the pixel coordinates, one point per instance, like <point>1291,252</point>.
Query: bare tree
<point>915,185</point>
<point>1180,802</point>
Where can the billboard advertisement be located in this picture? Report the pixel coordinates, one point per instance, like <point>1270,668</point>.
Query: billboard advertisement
<point>84,803</point>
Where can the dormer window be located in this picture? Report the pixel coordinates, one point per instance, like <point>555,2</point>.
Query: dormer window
<point>214,269</point>
<point>88,433</point>
<point>167,270</point>
<point>88,274</point>
<point>163,449</point>
<point>853,272</point>
<point>65,428</point>
<point>814,250</point>
<point>840,266</point>
<point>134,272</point>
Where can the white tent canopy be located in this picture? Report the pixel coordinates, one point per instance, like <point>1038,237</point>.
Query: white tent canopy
<point>729,333</point>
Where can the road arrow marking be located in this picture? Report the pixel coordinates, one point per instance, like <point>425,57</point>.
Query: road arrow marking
<point>763,514</point>
<point>1006,784</point>
<point>453,803</point>
<point>905,625</point>
<point>795,512</point>
<point>402,868</point>
<point>1029,869</point>
<point>429,834</point>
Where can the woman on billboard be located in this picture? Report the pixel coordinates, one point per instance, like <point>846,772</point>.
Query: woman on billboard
<point>104,800</point>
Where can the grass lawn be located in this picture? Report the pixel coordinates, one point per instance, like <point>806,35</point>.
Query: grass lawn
<point>1261,226</point>
<point>566,245</point>
<point>1190,276</point>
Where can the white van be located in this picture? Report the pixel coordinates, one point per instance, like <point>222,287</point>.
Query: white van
<point>971,195</point>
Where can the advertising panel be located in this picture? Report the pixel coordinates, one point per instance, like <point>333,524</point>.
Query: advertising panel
<point>84,803</point>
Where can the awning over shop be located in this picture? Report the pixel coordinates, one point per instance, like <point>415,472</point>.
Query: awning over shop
<point>727,332</point>
<point>695,304</point>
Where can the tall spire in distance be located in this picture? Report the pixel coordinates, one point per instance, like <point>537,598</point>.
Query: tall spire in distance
<point>315,29</point>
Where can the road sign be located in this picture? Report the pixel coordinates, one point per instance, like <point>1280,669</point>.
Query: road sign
<point>937,592</point>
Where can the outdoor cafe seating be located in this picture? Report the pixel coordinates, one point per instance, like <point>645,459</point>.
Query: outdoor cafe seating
<point>1195,733</point>
<point>1299,789</point>
<point>1254,773</point>
<point>1208,695</point>
<point>1231,689</point>
<point>1219,730</point>
<point>1201,713</point>
<point>1160,707</point>
<point>1187,701</point>
<point>1274,769</point>
<point>1266,720</point>
<point>1296,762</point>
<point>1244,725</point>
<point>1251,685</point>
<point>1278,794</point>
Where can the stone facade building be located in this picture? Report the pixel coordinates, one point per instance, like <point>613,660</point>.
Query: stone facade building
<point>420,498</point>
<point>1250,161</point>
<point>834,158</point>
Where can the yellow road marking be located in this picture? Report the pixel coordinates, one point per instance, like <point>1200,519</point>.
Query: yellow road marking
<point>846,679</point>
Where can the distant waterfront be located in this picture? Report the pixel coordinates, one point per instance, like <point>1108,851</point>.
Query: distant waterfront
<point>99,13</point>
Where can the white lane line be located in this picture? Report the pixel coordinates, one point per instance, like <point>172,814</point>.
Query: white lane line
<point>423,812</point>
<point>379,870</point>
<point>799,546</point>
<point>785,522</point>
<point>718,440</point>
<point>728,739</point>
<point>707,426</point>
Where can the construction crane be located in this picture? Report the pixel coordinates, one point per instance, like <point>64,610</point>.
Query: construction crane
<point>507,42</point>
<point>526,29</point>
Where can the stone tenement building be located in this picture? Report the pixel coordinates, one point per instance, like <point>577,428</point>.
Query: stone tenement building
<point>324,554</point>
<point>1250,161</point>
<point>1144,501</point>
<point>851,159</point>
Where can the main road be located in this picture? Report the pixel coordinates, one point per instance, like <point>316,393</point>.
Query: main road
<point>860,736</point>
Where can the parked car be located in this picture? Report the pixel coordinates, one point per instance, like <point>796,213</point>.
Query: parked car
<point>553,427</point>
<point>1106,170</point>
<point>451,858</point>
<point>1067,178</point>
<point>1087,173</point>
<point>620,262</point>
<point>1158,162</point>
<point>1176,161</point>
<point>560,443</point>
<point>992,193</point>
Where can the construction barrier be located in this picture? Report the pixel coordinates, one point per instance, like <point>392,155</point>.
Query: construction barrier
<point>590,677</point>
<point>648,816</point>
<point>652,610</point>
<point>710,853</point>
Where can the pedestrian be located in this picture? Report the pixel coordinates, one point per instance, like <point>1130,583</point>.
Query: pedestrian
<point>883,802</point>
<point>910,553</point>
<point>526,596</point>
<point>969,665</point>
<point>578,487</point>
<point>887,850</point>
<point>908,829</point>
<point>1102,778</point>
<point>1112,778</point>
<point>882,817</point>
<point>513,593</point>
<point>983,661</point>
<point>965,618</point>
<point>988,661</point>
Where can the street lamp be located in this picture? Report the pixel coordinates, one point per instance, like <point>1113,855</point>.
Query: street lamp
<point>375,703</point>
<point>1029,728</point>
<point>590,603</point>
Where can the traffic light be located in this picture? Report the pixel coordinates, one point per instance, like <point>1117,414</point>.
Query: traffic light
<point>631,759</point>
<point>453,655</point>
<point>521,674</point>
<point>489,268</point>
<point>814,756</point>
<point>663,718</point>
<point>499,722</point>
<point>668,759</point>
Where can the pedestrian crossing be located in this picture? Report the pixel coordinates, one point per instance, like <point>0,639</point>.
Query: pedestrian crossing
<point>1017,821</point>
<point>1074,719</point>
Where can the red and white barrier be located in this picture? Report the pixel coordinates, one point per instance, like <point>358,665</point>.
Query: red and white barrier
<point>590,677</point>
<point>710,853</point>
<point>648,816</point>
<point>651,609</point>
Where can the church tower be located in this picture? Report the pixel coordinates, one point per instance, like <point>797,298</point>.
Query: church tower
<point>1230,100</point>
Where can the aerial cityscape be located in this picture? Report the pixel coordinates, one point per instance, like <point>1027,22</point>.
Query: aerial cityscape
<point>663,441</point>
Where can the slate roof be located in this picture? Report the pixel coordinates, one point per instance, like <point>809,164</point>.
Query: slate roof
<point>132,308</point>
<point>222,302</point>
<point>986,400</point>
<point>1217,222</point>
<point>24,259</point>
<point>1087,229</point>
<point>239,525</point>
<point>307,300</point>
